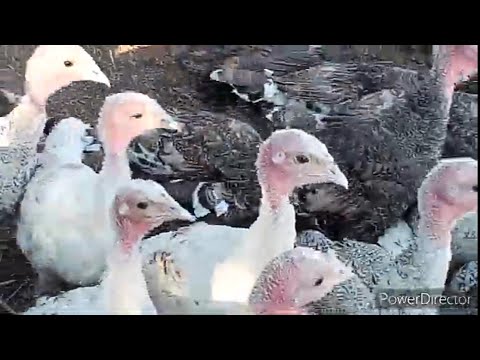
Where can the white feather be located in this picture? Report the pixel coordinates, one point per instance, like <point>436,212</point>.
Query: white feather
<point>122,292</point>
<point>65,224</point>
<point>198,209</point>
<point>22,129</point>
<point>210,256</point>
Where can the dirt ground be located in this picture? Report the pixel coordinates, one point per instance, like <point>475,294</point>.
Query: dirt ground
<point>16,275</point>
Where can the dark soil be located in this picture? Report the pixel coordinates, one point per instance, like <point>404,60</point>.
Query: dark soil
<point>16,275</point>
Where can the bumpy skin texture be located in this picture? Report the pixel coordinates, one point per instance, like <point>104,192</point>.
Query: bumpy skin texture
<point>312,282</point>
<point>213,148</point>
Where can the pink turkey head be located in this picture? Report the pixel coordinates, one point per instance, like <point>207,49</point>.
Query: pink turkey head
<point>292,158</point>
<point>52,67</point>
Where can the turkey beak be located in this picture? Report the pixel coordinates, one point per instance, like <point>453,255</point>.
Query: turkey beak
<point>177,212</point>
<point>168,122</point>
<point>336,176</point>
<point>182,214</point>
<point>97,75</point>
<point>330,173</point>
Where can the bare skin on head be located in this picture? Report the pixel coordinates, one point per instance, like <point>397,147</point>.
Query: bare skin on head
<point>457,61</point>
<point>123,117</point>
<point>384,164</point>
<point>138,208</point>
<point>143,205</point>
<point>127,115</point>
<point>292,158</point>
<point>87,196</point>
<point>446,195</point>
<point>286,160</point>
<point>449,192</point>
<point>295,279</point>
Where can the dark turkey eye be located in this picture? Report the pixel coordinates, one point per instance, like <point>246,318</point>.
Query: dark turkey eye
<point>142,205</point>
<point>137,116</point>
<point>302,159</point>
<point>475,188</point>
<point>318,282</point>
<point>68,63</point>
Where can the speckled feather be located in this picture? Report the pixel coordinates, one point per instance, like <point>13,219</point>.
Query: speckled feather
<point>351,297</point>
<point>11,89</point>
<point>215,149</point>
<point>362,89</point>
<point>464,284</point>
<point>347,296</point>
<point>369,212</point>
<point>12,188</point>
<point>465,280</point>
<point>462,136</point>
<point>339,85</point>
<point>246,70</point>
<point>385,160</point>
<point>281,59</point>
<point>376,267</point>
<point>369,261</point>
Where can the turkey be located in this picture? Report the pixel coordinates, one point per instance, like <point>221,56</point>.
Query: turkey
<point>210,256</point>
<point>64,227</point>
<point>138,207</point>
<point>49,68</point>
<point>446,195</point>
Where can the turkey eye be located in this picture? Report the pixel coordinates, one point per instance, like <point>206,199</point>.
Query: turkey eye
<point>302,159</point>
<point>68,63</point>
<point>137,116</point>
<point>142,205</point>
<point>318,282</point>
<point>475,188</point>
